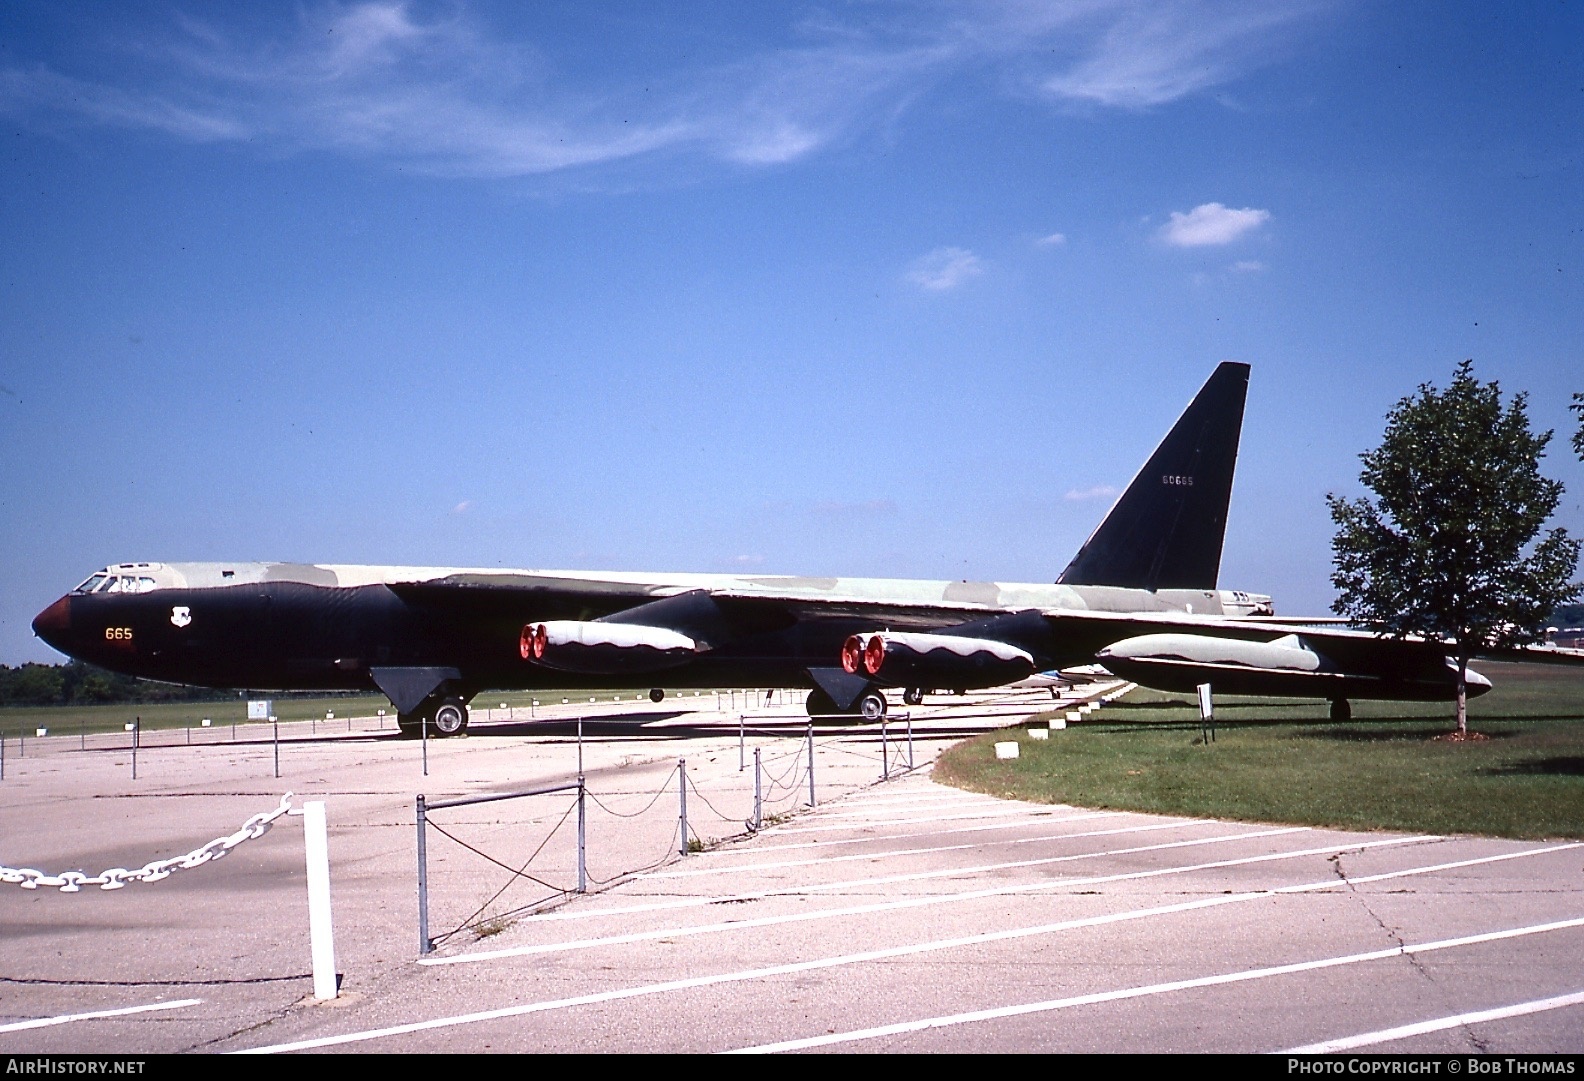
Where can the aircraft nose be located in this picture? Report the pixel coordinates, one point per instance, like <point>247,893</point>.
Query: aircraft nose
<point>54,623</point>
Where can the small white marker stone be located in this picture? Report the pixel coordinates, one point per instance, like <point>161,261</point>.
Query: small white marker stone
<point>1039,733</point>
<point>1058,723</point>
<point>43,731</point>
<point>205,722</point>
<point>1007,750</point>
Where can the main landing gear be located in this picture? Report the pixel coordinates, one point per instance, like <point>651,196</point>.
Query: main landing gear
<point>445,715</point>
<point>869,706</point>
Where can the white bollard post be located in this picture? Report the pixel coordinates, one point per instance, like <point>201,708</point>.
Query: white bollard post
<point>321,932</point>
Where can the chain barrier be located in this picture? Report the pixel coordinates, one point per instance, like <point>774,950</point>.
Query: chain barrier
<point>670,855</point>
<point>118,877</point>
<point>516,873</point>
<point>776,782</point>
<point>693,786</point>
<point>665,786</point>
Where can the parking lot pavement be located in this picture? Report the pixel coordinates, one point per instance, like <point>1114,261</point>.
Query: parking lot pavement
<point>897,915</point>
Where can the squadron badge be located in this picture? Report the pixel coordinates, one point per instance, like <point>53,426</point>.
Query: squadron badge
<point>181,616</point>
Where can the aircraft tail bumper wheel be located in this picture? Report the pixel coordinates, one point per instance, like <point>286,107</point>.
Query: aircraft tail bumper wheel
<point>913,696</point>
<point>1341,710</point>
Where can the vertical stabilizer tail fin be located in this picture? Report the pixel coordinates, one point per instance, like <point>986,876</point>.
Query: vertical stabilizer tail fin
<point>1165,532</point>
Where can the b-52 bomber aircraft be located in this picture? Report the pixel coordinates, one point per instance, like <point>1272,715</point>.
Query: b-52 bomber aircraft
<point>1140,598</point>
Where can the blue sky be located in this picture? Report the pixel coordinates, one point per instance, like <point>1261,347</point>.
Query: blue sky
<point>882,289</point>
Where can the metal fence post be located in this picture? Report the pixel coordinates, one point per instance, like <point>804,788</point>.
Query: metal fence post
<point>682,846</point>
<point>909,718</point>
<point>885,752</point>
<point>582,838</point>
<point>758,794</point>
<point>424,945</point>
<point>137,738</point>
<point>742,737</point>
<point>811,760</point>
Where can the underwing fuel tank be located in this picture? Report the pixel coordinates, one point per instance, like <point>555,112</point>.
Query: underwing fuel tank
<point>897,659</point>
<point>1287,666</point>
<point>595,648</point>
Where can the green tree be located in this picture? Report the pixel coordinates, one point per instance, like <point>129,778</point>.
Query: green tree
<point>1447,550</point>
<point>1578,436</point>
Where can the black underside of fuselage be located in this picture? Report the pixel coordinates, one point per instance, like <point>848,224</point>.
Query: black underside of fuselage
<point>293,636</point>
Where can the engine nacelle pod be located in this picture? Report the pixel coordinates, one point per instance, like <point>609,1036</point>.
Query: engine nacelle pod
<point>1284,666</point>
<point>921,659</point>
<point>595,648</point>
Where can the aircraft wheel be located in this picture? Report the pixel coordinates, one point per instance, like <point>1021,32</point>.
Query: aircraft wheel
<point>1341,710</point>
<point>410,725</point>
<point>913,696</point>
<point>656,695</point>
<point>871,705</point>
<point>820,704</point>
<point>450,717</point>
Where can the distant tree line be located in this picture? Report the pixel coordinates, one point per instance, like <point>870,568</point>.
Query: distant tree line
<point>78,684</point>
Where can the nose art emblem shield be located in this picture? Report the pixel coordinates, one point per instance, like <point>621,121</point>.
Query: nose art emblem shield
<point>181,616</point>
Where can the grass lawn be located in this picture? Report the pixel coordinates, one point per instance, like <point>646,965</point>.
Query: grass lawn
<point>1281,760</point>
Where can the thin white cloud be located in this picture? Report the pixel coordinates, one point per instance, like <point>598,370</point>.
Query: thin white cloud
<point>1210,224</point>
<point>1054,240</point>
<point>443,90</point>
<point>944,269</point>
<point>1099,491</point>
<point>462,507</point>
<point>1248,266</point>
<point>1150,54</point>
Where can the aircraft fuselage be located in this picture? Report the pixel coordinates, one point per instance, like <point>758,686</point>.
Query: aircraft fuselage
<point>275,626</point>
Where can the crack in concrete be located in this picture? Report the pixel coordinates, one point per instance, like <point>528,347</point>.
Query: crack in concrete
<point>1414,963</point>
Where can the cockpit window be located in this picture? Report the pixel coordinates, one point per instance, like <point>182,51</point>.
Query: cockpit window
<point>91,584</point>
<point>145,584</point>
<point>115,585</point>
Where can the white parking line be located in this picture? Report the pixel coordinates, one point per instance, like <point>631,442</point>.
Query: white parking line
<point>1019,812</point>
<point>642,990</point>
<point>895,852</point>
<point>871,839</point>
<point>1386,1035</point>
<point>926,901</point>
<point>871,808</point>
<point>46,1022</point>
<point>955,797</point>
<point>1159,989</point>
